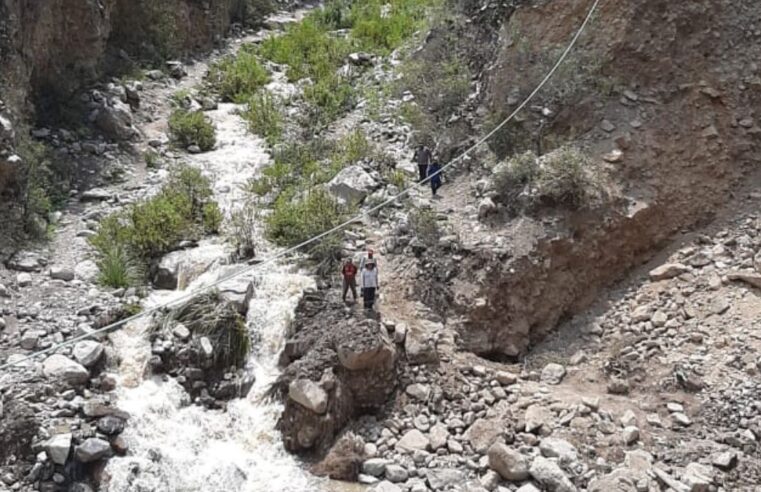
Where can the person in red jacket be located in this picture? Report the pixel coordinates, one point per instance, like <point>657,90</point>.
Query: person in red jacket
<point>349,272</point>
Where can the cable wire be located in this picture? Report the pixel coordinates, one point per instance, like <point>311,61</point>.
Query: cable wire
<point>341,226</point>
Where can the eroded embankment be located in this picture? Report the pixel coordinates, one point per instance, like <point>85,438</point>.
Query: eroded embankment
<point>681,114</point>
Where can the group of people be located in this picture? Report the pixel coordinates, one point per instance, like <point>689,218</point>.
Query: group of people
<point>428,167</point>
<point>368,279</point>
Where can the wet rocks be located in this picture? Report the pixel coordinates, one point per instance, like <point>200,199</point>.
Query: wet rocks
<point>92,449</point>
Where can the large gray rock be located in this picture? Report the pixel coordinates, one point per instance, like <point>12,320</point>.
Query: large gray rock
<point>420,343</point>
<point>115,121</point>
<point>753,279</point>
<point>238,292</point>
<point>92,449</point>
<point>536,417</point>
<point>697,477</point>
<point>178,269</point>
<point>88,352</point>
<point>61,273</point>
<point>309,394</point>
<point>58,447</point>
<point>438,436</point>
<point>62,368</point>
<point>351,185</point>
<point>375,466</point>
<point>550,475</point>
<point>413,440</point>
<point>396,473</point>
<point>509,463</point>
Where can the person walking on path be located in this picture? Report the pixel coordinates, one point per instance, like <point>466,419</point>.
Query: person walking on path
<point>434,174</point>
<point>422,158</point>
<point>370,284</point>
<point>362,262</point>
<point>349,272</point>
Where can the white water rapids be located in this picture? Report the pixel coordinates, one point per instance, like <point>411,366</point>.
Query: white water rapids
<point>179,447</point>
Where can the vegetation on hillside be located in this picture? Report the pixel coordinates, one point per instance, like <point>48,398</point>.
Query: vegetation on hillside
<point>192,128</point>
<point>128,240</point>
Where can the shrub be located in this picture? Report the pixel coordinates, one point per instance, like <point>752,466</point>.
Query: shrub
<point>564,177</point>
<point>425,225</point>
<point>209,316</point>
<point>241,231</point>
<point>439,84</point>
<point>192,128</point>
<point>152,159</point>
<point>253,12</point>
<point>330,97</point>
<point>183,209</point>
<point>397,178</point>
<point>239,77</point>
<point>264,117</point>
<point>293,221</point>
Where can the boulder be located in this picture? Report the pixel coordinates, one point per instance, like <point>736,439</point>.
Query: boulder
<point>92,449</point>
<point>419,391</point>
<point>24,279</point>
<point>509,463</point>
<point>238,292</point>
<point>88,352</point>
<point>486,207</point>
<point>396,473</point>
<point>667,271</point>
<point>309,394</point>
<point>697,477</point>
<point>58,447</point>
<point>420,343</point>
<point>110,425</point>
<point>351,185</point>
<point>375,467</point>
<point>550,475</point>
<point>62,368</point>
<point>176,69</point>
<point>553,373</point>
<point>438,436</point>
<point>753,279</point>
<point>30,339</point>
<point>178,269</point>
<point>630,435</point>
<point>357,355</point>
<point>26,261</point>
<point>115,121</point>
<point>413,440</point>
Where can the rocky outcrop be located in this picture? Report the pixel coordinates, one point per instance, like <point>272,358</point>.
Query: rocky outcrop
<point>339,365</point>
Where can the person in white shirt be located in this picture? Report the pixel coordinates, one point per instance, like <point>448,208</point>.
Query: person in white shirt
<point>369,282</point>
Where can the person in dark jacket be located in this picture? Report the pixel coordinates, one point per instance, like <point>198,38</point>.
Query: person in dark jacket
<point>349,272</point>
<point>434,174</point>
<point>422,158</point>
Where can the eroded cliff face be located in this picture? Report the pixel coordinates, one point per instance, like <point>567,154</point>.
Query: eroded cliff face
<point>653,83</point>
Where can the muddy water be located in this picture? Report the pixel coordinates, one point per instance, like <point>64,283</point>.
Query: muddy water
<point>179,447</point>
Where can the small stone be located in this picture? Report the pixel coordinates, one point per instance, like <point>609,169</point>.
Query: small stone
<point>58,447</point>
<point>618,386</point>
<point>549,474</point>
<point>725,461</point>
<point>681,419</point>
<point>375,467</point>
<point>60,273</point>
<point>607,126</point>
<point>509,463</point>
<point>181,331</point>
<point>553,373</point>
<point>629,418</point>
<point>592,402</point>
<point>110,425</point>
<point>614,156</point>
<point>412,440</point>
<point>506,378</point>
<point>24,279</point>
<point>30,339</point>
<point>58,366</point>
<point>697,477</point>
<point>396,474</point>
<point>630,435</point>
<point>667,271</point>
<point>675,407</point>
<point>419,391</point>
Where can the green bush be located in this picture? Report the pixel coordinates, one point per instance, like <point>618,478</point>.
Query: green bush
<point>152,159</point>
<point>264,117</point>
<point>182,210</point>
<point>241,231</point>
<point>192,128</point>
<point>293,221</point>
<point>424,223</point>
<point>239,77</point>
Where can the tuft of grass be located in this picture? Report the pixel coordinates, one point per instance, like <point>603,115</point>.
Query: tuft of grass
<point>397,178</point>
<point>127,241</point>
<point>240,77</point>
<point>152,159</point>
<point>293,221</point>
<point>264,117</point>
<point>425,224</point>
<point>192,128</point>
<point>241,231</point>
<point>118,268</point>
<point>209,316</point>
